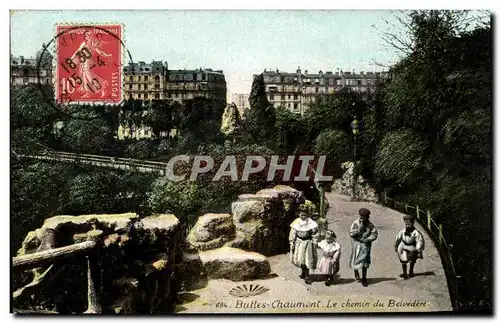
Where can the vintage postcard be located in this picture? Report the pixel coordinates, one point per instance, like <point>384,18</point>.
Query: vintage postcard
<point>272,162</point>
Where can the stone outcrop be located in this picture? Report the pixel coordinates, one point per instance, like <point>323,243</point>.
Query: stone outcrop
<point>211,231</point>
<point>133,266</point>
<point>260,218</point>
<point>231,120</point>
<point>344,185</point>
<point>229,263</point>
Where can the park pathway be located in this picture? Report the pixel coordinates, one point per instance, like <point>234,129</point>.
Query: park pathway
<point>287,293</point>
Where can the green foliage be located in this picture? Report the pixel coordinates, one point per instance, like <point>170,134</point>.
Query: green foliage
<point>433,118</point>
<point>261,117</point>
<point>400,157</point>
<point>88,136</point>
<point>38,192</point>
<point>289,131</point>
<point>335,111</point>
<point>334,144</point>
<point>182,198</point>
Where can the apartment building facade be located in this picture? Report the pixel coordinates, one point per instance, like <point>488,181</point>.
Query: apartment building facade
<point>241,101</point>
<point>24,71</point>
<point>155,81</point>
<point>297,91</point>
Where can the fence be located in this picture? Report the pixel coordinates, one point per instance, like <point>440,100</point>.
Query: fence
<point>143,166</point>
<point>435,231</point>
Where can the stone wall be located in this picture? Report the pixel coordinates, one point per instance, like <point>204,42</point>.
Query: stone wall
<point>344,185</point>
<point>133,268</point>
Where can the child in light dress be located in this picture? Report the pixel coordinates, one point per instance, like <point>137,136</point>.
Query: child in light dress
<point>329,264</point>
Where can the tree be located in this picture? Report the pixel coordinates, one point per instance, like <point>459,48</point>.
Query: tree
<point>434,117</point>
<point>289,131</point>
<point>334,111</point>
<point>159,116</point>
<point>261,117</point>
<point>183,199</point>
<point>334,144</point>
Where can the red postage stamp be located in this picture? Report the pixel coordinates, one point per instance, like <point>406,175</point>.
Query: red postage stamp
<point>89,64</point>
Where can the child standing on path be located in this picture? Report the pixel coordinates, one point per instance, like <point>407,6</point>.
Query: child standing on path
<point>329,264</point>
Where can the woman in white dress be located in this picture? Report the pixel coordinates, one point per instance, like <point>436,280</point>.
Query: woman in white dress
<point>409,244</point>
<point>303,240</point>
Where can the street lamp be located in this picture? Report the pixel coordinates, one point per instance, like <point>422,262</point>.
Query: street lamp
<point>355,131</point>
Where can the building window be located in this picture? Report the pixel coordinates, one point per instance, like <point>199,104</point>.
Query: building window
<point>157,86</point>
<point>317,90</point>
<point>271,96</point>
<point>157,96</point>
<point>359,82</point>
<point>295,97</point>
<point>130,86</point>
<point>131,78</point>
<point>203,77</point>
<point>146,96</point>
<point>282,98</point>
<point>289,96</point>
<point>157,78</point>
<point>146,78</point>
<point>146,132</point>
<point>169,95</point>
<point>145,86</point>
<point>138,95</point>
<point>139,78</point>
<point>295,107</point>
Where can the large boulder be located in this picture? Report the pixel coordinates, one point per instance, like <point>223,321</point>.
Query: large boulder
<point>259,219</point>
<point>231,120</point>
<point>229,263</point>
<point>133,264</point>
<point>211,231</point>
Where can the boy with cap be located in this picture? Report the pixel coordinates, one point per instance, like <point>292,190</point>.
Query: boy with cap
<point>409,244</point>
<point>363,233</point>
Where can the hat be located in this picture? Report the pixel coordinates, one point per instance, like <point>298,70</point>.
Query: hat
<point>364,212</point>
<point>408,217</point>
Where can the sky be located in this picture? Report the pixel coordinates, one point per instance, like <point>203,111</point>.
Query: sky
<point>241,43</point>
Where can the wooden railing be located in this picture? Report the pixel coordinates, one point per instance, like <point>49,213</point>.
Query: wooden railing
<point>435,231</point>
<point>143,166</point>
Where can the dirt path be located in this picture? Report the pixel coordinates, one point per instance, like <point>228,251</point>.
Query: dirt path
<point>287,293</point>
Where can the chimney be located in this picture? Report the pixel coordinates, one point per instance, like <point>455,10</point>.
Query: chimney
<point>305,72</point>
<point>298,70</point>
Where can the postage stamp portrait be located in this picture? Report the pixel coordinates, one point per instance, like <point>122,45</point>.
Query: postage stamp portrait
<point>89,63</point>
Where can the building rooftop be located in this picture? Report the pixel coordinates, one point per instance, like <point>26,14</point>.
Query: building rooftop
<point>22,61</point>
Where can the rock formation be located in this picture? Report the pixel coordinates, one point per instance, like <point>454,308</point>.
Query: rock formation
<point>130,269</point>
<point>231,120</point>
<point>344,185</point>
